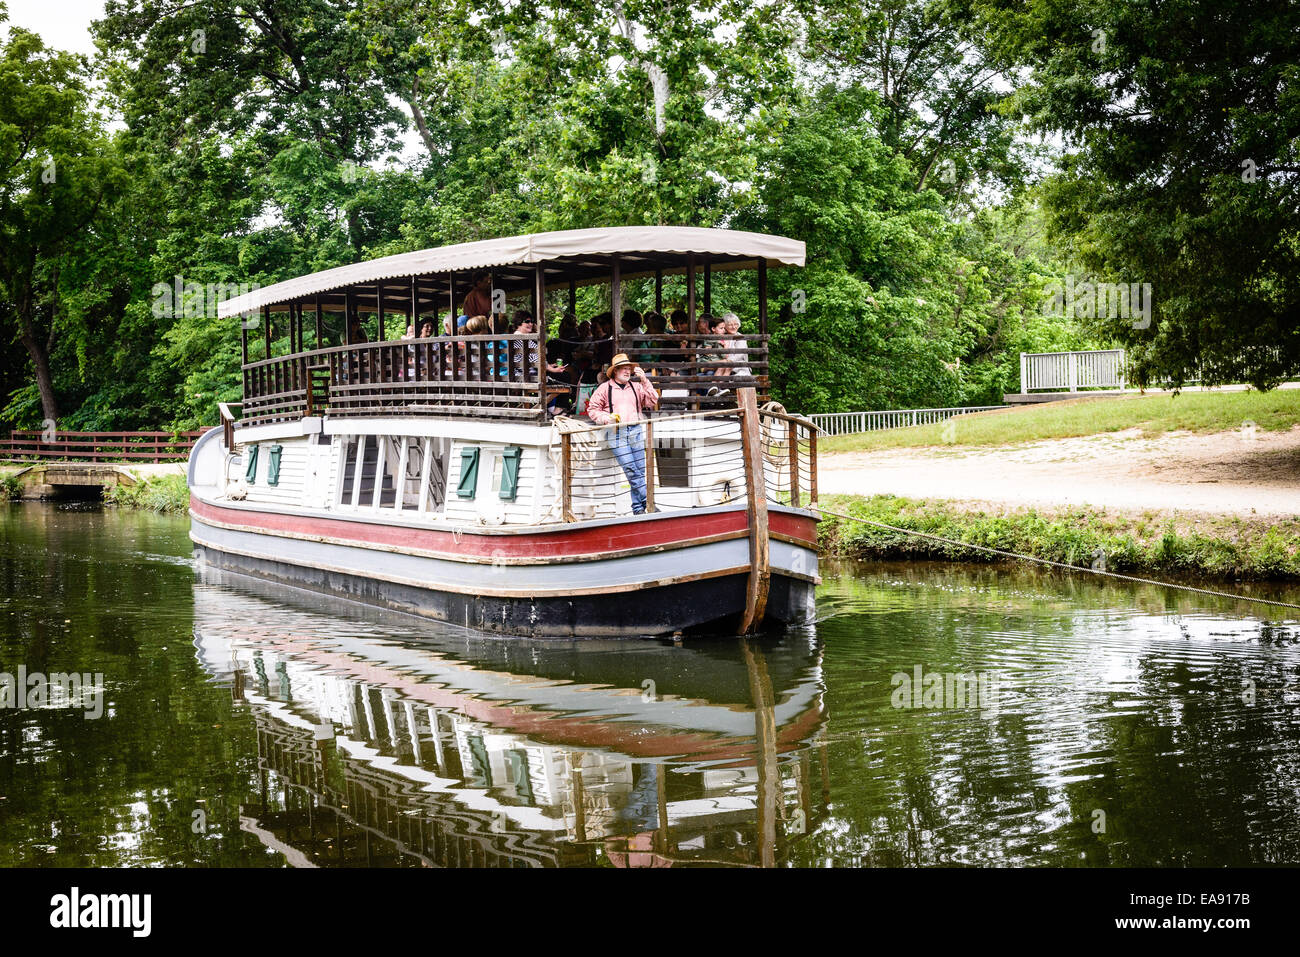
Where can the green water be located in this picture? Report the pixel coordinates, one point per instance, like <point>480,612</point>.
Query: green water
<point>239,724</point>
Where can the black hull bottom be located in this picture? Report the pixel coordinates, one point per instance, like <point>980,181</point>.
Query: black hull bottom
<point>711,605</point>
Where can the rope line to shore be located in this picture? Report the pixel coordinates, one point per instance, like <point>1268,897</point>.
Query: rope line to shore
<point>1054,564</point>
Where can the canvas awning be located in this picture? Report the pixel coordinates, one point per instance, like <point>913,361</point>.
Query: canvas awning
<point>577,254</point>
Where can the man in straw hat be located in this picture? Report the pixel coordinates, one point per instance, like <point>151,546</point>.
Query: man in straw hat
<point>619,402</point>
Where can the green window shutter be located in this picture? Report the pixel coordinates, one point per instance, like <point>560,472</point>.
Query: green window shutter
<point>250,472</point>
<point>510,472</point>
<point>468,473</point>
<point>273,466</point>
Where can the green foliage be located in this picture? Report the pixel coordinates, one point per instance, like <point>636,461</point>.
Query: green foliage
<point>1153,414</point>
<point>157,493</point>
<point>10,488</point>
<point>1182,122</point>
<point>1211,548</point>
<point>261,145</point>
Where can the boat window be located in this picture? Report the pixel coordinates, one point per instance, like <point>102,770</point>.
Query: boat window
<point>273,465</point>
<point>672,466</point>
<point>510,472</point>
<point>250,472</point>
<point>468,472</point>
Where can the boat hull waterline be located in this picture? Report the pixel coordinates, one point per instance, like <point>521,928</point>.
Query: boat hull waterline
<point>642,575</point>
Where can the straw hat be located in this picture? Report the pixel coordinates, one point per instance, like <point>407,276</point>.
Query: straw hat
<point>619,360</point>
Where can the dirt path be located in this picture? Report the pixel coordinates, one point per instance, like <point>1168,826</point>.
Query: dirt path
<point>1228,473</point>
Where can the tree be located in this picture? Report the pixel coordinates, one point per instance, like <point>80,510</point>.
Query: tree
<point>1182,125</point>
<point>58,172</point>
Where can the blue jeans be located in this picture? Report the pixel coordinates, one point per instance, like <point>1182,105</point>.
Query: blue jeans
<point>628,446</point>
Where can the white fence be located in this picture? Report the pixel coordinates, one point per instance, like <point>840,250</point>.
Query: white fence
<point>1072,371</point>
<point>847,423</point>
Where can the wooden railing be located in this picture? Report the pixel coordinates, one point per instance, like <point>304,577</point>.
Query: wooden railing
<point>492,376</point>
<point>30,445</point>
<point>847,423</point>
<point>686,368</point>
<point>712,470</point>
<point>1071,371</point>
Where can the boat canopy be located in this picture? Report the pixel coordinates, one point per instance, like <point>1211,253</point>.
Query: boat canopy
<point>577,256</point>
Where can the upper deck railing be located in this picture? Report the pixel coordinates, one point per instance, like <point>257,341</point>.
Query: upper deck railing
<point>500,375</point>
<point>491,376</point>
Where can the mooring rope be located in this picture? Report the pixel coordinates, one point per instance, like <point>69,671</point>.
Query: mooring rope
<point>1053,564</point>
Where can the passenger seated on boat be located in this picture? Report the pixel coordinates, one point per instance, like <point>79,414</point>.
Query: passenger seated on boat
<point>479,300</point>
<point>426,329</point>
<point>735,341</point>
<point>355,331</point>
<point>655,325</point>
<point>479,326</point>
<point>619,401</point>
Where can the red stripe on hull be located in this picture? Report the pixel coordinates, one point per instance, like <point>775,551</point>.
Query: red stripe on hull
<point>576,541</point>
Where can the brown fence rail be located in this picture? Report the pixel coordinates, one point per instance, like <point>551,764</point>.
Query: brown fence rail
<point>30,446</point>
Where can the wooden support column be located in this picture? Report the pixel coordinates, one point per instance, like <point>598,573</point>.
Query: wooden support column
<point>792,437</point>
<point>539,315</point>
<point>566,477</point>
<point>379,311</point>
<point>760,572</point>
<point>690,290</point>
<point>415,307</point>
<point>573,298</point>
<point>451,300</point>
<point>320,320</point>
<point>347,316</point>
<point>708,286</point>
<point>266,330</point>
<point>649,467</point>
<point>659,291</point>
<point>762,296</point>
<point>616,300</point>
<point>812,466</point>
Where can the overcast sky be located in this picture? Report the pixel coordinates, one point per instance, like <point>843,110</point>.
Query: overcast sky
<point>62,24</point>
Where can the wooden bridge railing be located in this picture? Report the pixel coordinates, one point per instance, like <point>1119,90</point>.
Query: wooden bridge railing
<point>30,446</point>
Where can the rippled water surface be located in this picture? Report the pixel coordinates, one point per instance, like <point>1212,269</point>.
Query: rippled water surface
<point>227,722</point>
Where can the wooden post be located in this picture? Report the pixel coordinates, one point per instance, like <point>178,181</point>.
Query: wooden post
<point>649,467</point>
<point>266,331</point>
<point>812,466</point>
<point>451,299</point>
<point>762,296</point>
<point>690,290</point>
<point>320,318</point>
<point>616,300</point>
<point>659,291</point>
<point>792,436</point>
<point>708,286</point>
<point>768,792</point>
<point>379,310</point>
<point>539,315</point>
<point>566,477</point>
<point>760,572</point>
<point>573,297</point>
<point>347,317</point>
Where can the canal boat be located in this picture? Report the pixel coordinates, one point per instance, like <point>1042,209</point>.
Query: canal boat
<point>430,473</point>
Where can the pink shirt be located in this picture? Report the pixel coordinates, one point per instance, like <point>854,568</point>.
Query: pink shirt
<point>626,401</point>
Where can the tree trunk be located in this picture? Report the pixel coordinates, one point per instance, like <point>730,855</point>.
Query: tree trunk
<point>44,381</point>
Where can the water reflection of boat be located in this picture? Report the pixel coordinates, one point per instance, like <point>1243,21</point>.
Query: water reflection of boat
<point>453,749</point>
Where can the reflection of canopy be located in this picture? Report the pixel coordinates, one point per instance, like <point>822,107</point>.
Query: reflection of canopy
<point>578,254</point>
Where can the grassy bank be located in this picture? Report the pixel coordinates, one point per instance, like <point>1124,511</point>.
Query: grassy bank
<point>157,493</point>
<point>1153,414</point>
<point>1151,543</point>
